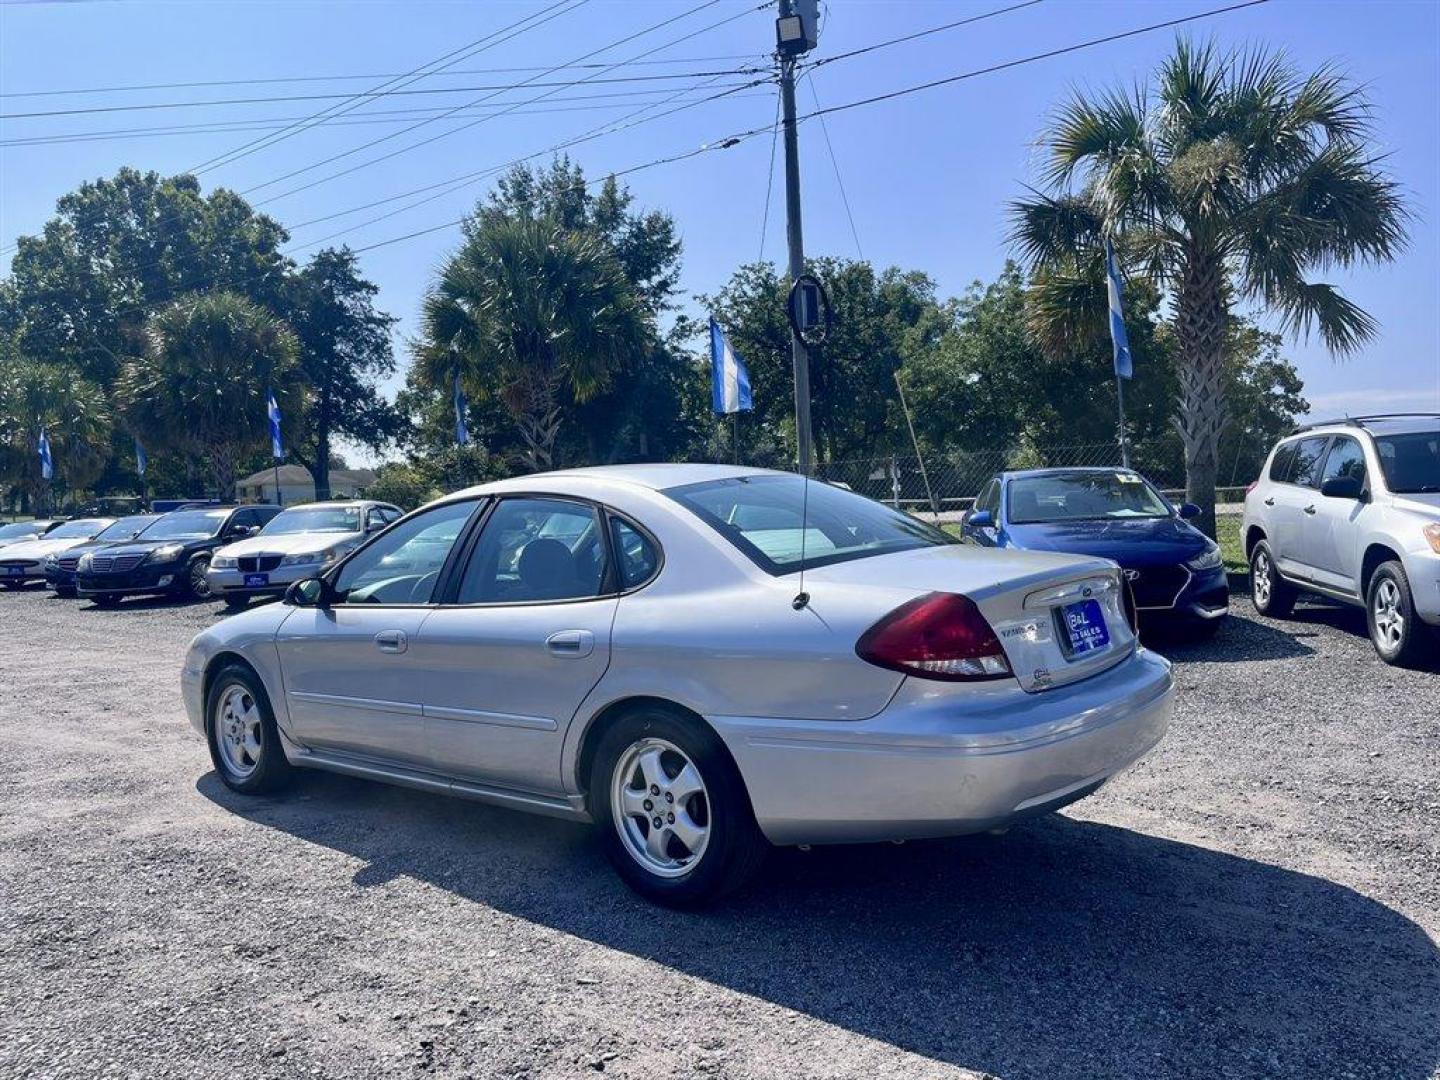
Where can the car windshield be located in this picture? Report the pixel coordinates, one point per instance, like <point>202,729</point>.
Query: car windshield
<point>187,524</point>
<point>1411,462</point>
<point>1083,496</point>
<point>340,519</point>
<point>773,520</point>
<point>19,530</point>
<point>83,529</point>
<point>127,527</point>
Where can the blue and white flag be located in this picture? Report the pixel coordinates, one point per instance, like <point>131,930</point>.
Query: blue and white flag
<point>141,460</point>
<point>729,380</point>
<point>462,433</point>
<point>1123,367</point>
<point>47,465</point>
<point>277,450</point>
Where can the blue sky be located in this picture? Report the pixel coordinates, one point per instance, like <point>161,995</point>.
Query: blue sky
<point>928,175</point>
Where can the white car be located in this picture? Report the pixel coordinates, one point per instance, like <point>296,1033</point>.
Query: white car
<point>1351,510</point>
<point>296,543</point>
<point>700,659</point>
<point>24,563</point>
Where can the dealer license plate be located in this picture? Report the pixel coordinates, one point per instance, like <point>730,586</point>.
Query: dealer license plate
<point>15,571</point>
<point>1085,626</point>
<point>256,581</point>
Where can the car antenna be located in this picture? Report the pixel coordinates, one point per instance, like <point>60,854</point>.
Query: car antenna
<point>802,598</point>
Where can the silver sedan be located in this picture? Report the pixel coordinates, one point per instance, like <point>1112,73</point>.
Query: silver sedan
<point>702,660</point>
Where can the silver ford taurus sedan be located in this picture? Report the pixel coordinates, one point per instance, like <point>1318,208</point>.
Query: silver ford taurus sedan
<point>700,659</point>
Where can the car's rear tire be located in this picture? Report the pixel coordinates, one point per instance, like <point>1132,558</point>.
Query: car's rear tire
<point>1395,630</point>
<point>671,809</point>
<point>1271,594</point>
<point>240,730</point>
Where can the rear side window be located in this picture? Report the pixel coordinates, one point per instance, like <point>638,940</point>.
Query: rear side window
<point>1281,462</point>
<point>635,555</point>
<point>535,550</point>
<point>1308,455</point>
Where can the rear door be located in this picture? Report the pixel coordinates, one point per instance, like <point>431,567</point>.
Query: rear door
<point>1295,508</point>
<point>352,673</point>
<point>520,641</point>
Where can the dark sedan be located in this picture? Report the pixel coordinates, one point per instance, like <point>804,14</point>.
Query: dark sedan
<point>60,568</point>
<point>172,556</point>
<point>1175,572</point>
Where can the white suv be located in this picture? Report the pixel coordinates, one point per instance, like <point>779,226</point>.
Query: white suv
<point>1351,510</point>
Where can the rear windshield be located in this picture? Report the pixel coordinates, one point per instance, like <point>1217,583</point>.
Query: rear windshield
<point>773,520</point>
<point>1083,496</point>
<point>1411,463</point>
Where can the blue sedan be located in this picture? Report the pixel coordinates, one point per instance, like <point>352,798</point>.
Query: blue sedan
<point>1175,571</point>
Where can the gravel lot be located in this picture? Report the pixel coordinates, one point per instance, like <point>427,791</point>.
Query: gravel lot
<point>1261,897</point>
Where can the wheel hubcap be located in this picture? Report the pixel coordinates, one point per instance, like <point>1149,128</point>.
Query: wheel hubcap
<point>1386,615</point>
<point>199,583</point>
<point>660,806</point>
<point>1261,579</point>
<point>237,731</point>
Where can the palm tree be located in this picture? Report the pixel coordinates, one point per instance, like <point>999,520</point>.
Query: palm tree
<point>533,314</point>
<point>1235,179</point>
<point>200,386</point>
<point>73,413</point>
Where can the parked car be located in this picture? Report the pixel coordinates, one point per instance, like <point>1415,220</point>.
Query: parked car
<point>172,556</point>
<point>297,543</point>
<point>1174,571</point>
<point>18,531</point>
<point>61,566</point>
<point>647,648</point>
<point>23,563</point>
<point>1351,510</point>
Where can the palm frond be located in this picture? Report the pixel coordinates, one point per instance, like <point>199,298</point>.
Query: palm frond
<point>1307,307</point>
<point>1049,230</point>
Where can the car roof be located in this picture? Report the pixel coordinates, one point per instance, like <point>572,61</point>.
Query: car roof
<point>659,476</point>
<point>1064,470</point>
<point>331,504</point>
<point>1395,424</point>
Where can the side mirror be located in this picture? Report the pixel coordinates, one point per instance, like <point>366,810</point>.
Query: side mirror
<point>375,525</point>
<point>308,592</point>
<point>980,519</point>
<point>1342,487</point>
<point>1189,510</point>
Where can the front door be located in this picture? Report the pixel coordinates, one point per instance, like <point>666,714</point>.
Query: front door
<point>1295,509</point>
<point>352,672</point>
<point>519,643</point>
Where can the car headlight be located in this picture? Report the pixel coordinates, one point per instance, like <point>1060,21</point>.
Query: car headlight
<point>309,558</point>
<point>1432,536</point>
<point>84,565</point>
<point>1206,560</point>
<point>166,553</point>
<point>224,562</point>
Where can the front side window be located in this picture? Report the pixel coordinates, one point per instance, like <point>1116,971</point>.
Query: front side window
<point>403,566</point>
<point>1411,463</point>
<point>1345,459</point>
<point>304,519</point>
<point>535,550</point>
<point>782,528</point>
<point>1083,496</point>
<point>990,498</point>
<point>1308,453</point>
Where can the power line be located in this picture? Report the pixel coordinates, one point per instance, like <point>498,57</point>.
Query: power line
<point>922,33</point>
<point>769,181</point>
<point>835,164</point>
<point>473,123</point>
<point>389,116</point>
<point>340,78</point>
<point>474,48</point>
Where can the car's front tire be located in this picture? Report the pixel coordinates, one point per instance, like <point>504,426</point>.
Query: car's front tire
<point>1395,629</point>
<point>66,594</point>
<point>1271,594</point>
<point>197,581</point>
<point>105,600</point>
<point>672,811</point>
<point>240,730</point>
<point>236,603</point>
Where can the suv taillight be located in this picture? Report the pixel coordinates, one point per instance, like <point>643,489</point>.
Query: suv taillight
<point>938,636</point>
<point>1251,486</point>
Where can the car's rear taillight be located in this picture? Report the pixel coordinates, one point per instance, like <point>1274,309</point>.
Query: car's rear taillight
<point>938,636</point>
<point>1251,486</point>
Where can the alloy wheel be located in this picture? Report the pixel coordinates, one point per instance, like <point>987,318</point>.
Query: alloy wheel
<point>237,730</point>
<point>1260,579</point>
<point>199,583</point>
<point>660,807</point>
<point>1387,616</point>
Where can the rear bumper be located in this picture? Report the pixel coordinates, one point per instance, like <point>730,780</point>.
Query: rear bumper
<point>946,764</point>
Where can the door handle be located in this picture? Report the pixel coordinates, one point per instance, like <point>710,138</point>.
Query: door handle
<point>392,641</point>
<point>575,643</point>
<point>1310,509</point>
<point>1270,502</point>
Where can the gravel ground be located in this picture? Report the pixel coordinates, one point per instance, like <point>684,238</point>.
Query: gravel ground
<point>1261,897</point>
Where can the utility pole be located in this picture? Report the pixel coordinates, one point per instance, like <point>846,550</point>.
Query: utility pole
<point>794,37</point>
